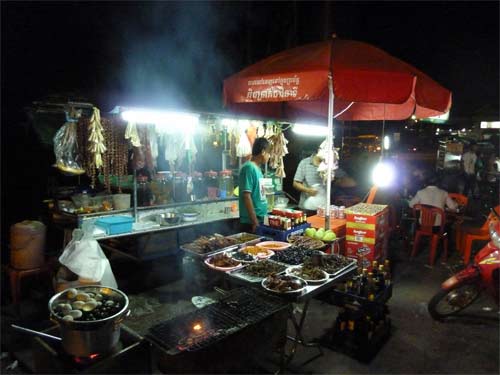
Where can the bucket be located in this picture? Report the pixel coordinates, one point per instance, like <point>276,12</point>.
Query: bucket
<point>121,201</point>
<point>27,243</point>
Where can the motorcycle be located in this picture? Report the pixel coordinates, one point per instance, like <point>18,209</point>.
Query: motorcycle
<point>463,288</point>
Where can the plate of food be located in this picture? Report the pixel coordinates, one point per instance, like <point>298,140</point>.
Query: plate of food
<point>311,274</point>
<point>222,262</point>
<point>274,245</point>
<point>243,257</point>
<point>258,252</point>
<point>332,264</point>
<point>284,284</point>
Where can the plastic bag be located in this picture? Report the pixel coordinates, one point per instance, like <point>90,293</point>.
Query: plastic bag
<point>84,257</point>
<point>66,149</point>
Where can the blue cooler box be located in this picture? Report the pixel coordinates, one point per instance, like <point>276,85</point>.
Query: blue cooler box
<point>115,224</point>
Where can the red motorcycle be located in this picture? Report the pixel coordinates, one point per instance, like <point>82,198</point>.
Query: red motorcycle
<point>463,288</point>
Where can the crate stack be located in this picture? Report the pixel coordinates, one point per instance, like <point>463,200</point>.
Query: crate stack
<point>367,232</point>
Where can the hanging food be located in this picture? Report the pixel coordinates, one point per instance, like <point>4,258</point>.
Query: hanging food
<point>278,150</point>
<point>96,138</point>
<point>66,145</point>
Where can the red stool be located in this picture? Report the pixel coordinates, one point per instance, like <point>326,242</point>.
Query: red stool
<point>16,276</point>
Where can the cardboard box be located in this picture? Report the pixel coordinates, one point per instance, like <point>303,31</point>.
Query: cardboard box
<point>366,235</point>
<point>367,216</point>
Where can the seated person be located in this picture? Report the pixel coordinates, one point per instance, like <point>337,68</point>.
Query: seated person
<point>431,195</point>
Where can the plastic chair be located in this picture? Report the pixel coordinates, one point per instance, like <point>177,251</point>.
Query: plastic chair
<point>461,199</point>
<point>468,235</point>
<point>428,216</point>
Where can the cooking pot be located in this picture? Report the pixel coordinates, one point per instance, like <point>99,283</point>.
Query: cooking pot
<point>83,338</point>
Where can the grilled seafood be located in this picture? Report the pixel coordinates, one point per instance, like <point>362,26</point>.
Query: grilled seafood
<point>222,261</point>
<point>283,283</point>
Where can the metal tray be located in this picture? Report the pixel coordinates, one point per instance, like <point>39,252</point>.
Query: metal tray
<point>240,273</point>
<point>209,254</point>
<point>253,241</point>
<point>340,270</point>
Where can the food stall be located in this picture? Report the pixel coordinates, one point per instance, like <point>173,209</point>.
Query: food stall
<point>153,172</point>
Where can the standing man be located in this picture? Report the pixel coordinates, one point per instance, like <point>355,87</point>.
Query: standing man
<point>469,167</point>
<point>311,185</point>
<point>252,199</point>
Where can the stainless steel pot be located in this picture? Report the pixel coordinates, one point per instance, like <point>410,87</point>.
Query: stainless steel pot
<point>82,338</point>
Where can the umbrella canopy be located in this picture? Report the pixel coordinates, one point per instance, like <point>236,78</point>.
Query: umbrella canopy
<point>368,84</point>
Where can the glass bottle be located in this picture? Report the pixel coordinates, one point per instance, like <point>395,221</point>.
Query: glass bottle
<point>199,187</point>
<point>212,184</point>
<point>225,184</point>
<point>161,187</point>
<point>180,187</point>
<point>144,194</point>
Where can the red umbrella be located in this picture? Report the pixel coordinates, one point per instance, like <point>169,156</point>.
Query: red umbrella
<point>369,82</point>
<point>354,80</point>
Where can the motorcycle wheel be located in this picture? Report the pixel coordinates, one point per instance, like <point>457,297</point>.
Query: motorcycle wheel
<point>449,302</point>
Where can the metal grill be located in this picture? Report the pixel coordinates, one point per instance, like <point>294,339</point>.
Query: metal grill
<point>203,328</point>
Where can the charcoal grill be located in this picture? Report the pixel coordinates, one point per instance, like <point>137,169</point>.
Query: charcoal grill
<point>203,328</point>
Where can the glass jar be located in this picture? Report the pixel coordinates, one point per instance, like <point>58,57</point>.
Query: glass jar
<point>180,187</point>
<point>199,186</point>
<point>212,184</point>
<point>225,184</point>
<point>161,187</point>
<point>144,194</point>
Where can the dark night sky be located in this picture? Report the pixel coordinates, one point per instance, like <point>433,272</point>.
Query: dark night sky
<point>169,53</point>
<point>177,54</point>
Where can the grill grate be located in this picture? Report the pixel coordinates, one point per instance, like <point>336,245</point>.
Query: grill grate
<point>203,328</point>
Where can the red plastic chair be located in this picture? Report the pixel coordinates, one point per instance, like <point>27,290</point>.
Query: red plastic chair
<point>457,219</point>
<point>461,199</point>
<point>428,216</point>
<point>468,235</point>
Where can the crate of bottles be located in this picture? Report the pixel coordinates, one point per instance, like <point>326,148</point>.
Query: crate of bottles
<point>358,333</point>
<point>281,234</point>
<point>367,288</point>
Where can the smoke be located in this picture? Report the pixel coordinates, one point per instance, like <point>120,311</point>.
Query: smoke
<point>171,56</point>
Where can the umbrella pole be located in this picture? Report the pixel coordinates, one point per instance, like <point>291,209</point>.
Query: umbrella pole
<point>329,142</point>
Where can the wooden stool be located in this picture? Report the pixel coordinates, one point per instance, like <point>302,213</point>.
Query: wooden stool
<point>16,276</point>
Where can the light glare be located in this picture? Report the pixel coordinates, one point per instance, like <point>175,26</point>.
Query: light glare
<point>164,120</point>
<point>383,175</point>
<point>310,130</point>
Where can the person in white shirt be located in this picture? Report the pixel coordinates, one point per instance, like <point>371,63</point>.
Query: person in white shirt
<point>469,167</point>
<point>431,195</point>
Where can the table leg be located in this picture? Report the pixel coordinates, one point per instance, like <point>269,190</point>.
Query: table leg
<point>299,338</point>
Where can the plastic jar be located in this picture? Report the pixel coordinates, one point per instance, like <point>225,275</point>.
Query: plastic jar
<point>161,187</point>
<point>199,186</point>
<point>212,184</point>
<point>144,194</point>
<point>225,184</point>
<point>180,187</point>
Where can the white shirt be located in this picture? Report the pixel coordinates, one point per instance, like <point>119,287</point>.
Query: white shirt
<point>433,196</point>
<point>469,160</point>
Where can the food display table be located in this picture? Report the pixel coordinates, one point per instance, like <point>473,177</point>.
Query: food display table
<point>311,290</point>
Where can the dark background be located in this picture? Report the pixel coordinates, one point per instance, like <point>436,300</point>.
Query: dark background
<point>176,54</point>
